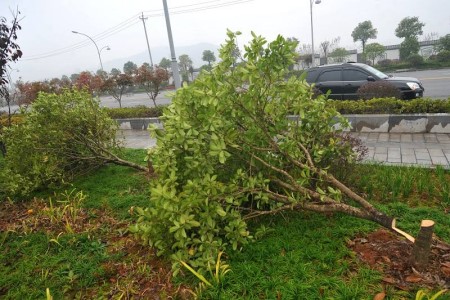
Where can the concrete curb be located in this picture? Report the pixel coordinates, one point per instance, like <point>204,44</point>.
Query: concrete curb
<point>382,123</point>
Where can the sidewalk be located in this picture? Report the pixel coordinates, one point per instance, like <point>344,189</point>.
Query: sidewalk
<point>417,149</point>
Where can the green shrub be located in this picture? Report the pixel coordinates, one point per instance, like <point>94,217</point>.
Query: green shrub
<point>385,62</point>
<point>227,153</point>
<point>391,106</point>
<point>135,112</point>
<point>59,138</point>
<point>378,89</point>
<point>443,56</point>
<point>415,60</point>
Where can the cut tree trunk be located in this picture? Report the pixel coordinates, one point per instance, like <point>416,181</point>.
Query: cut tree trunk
<point>422,245</point>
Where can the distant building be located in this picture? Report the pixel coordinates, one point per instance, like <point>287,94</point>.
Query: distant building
<point>427,48</point>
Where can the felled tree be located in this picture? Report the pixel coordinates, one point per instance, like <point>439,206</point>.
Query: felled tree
<point>61,136</point>
<point>229,153</point>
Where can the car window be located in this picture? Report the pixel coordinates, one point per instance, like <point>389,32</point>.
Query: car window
<point>354,75</point>
<point>375,71</point>
<point>333,75</point>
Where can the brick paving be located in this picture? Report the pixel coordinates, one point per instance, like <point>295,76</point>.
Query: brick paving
<point>416,149</point>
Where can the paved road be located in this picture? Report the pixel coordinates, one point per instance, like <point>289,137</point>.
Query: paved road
<point>430,149</point>
<point>131,100</point>
<point>436,82</point>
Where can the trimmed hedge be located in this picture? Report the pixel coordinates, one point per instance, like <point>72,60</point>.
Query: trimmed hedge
<point>391,106</point>
<point>135,112</point>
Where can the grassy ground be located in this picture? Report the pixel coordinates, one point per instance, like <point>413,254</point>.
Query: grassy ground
<point>77,246</point>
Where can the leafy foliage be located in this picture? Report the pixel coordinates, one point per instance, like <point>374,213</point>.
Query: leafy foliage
<point>391,106</point>
<point>408,47</point>
<point>59,138</point>
<point>409,27</point>
<point>374,51</point>
<point>339,55</point>
<point>363,32</point>
<point>129,68</point>
<point>135,112</point>
<point>9,50</point>
<point>443,56</point>
<point>415,60</point>
<point>229,153</point>
<point>208,56</point>
<point>443,43</point>
<point>378,89</point>
<point>152,80</point>
<point>117,85</point>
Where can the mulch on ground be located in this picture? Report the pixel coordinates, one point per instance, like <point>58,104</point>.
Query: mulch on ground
<point>390,254</point>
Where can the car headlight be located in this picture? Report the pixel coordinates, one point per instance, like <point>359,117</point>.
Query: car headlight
<point>413,85</point>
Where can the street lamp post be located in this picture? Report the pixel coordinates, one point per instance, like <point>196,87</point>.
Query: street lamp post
<point>175,72</point>
<point>312,29</point>
<point>98,51</point>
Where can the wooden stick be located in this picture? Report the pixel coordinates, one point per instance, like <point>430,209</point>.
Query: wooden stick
<point>406,235</point>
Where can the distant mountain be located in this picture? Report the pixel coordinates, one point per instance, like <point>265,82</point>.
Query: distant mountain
<point>195,52</point>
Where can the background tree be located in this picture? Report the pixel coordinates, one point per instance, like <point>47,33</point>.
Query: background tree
<point>410,46</point>
<point>117,85</point>
<point>28,91</point>
<point>208,56</point>
<point>339,55</point>
<point>101,73</point>
<point>115,72</point>
<point>374,51</point>
<point>409,28</point>
<point>65,81</point>
<point>74,77</point>
<point>363,32</point>
<point>129,67</point>
<point>165,63</point>
<point>151,80</point>
<point>90,82</point>
<point>328,46</point>
<point>185,62</point>
<point>9,52</point>
<point>443,43</point>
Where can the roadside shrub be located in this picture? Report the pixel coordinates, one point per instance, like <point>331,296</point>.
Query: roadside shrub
<point>135,112</point>
<point>443,56</point>
<point>385,62</point>
<point>378,89</point>
<point>391,106</point>
<point>415,60</point>
<point>59,138</point>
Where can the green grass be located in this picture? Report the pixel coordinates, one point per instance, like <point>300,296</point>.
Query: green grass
<point>70,264</point>
<point>302,256</point>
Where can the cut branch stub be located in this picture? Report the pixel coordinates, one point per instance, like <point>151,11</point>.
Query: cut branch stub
<point>421,249</point>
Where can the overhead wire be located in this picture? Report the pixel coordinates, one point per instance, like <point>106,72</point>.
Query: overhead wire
<point>188,8</point>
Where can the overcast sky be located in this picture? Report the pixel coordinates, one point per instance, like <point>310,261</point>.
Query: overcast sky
<point>47,25</point>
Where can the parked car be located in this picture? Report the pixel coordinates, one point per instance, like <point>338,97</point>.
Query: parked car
<point>343,80</point>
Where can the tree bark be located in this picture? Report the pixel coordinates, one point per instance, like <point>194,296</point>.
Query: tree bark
<point>421,249</point>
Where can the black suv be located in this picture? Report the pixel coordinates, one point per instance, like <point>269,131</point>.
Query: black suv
<point>343,80</point>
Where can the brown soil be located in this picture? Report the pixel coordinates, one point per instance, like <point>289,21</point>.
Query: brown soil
<point>137,274</point>
<point>388,253</point>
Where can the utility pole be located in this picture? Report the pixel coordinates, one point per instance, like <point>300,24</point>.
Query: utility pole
<point>175,71</point>
<point>146,37</point>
